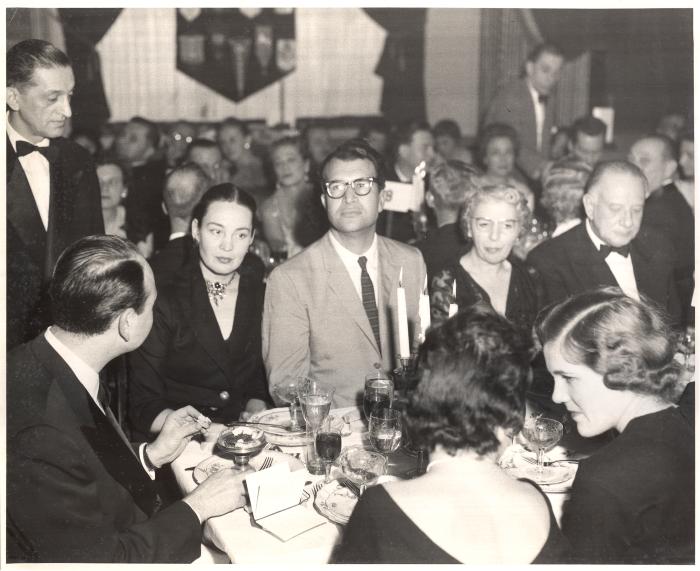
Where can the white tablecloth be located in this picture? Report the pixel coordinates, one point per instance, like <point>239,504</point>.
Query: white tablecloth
<point>236,534</point>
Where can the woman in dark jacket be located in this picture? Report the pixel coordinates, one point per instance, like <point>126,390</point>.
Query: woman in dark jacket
<point>204,347</point>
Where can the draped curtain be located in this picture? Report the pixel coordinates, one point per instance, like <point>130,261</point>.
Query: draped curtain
<point>83,28</point>
<point>337,51</point>
<point>402,62</point>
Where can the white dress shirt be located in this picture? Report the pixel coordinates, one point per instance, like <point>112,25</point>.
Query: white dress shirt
<point>349,260</point>
<point>90,379</point>
<point>539,114</point>
<point>620,266</point>
<point>36,168</point>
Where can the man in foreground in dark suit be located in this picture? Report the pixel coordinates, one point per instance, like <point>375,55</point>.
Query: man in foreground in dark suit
<point>609,248</point>
<point>53,197</point>
<point>524,104</point>
<point>77,490</point>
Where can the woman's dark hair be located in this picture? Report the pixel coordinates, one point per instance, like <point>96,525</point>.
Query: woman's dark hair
<point>496,131</point>
<point>235,123</point>
<point>628,342</point>
<point>473,372</point>
<point>95,279</point>
<point>290,141</point>
<point>225,192</point>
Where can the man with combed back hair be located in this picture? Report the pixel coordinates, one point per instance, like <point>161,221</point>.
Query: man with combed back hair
<point>53,196</point>
<point>77,490</point>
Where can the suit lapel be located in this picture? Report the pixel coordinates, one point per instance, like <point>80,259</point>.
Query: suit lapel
<point>588,265</point>
<point>243,317</point>
<point>340,284</point>
<point>117,458</point>
<point>22,212</point>
<point>389,270</point>
<point>644,271</point>
<point>204,324</point>
<point>59,217</point>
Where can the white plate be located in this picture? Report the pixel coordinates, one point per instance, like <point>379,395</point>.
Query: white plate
<point>280,433</point>
<point>216,463</point>
<point>335,502</point>
<point>557,478</point>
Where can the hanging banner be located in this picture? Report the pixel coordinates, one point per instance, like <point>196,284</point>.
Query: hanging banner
<point>236,52</point>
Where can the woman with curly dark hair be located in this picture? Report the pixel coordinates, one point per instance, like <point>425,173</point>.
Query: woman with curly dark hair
<point>633,501</point>
<point>472,378</point>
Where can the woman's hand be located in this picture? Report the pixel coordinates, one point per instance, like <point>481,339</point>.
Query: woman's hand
<point>254,406</point>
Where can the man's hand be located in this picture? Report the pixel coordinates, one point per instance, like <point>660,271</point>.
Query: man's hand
<point>220,493</point>
<point>253,406</point>
<point>178,429</point>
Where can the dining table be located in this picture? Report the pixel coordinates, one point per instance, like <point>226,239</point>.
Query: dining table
<point>244,541</point>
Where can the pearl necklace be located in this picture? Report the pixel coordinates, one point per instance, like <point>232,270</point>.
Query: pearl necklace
<point>217,290</point>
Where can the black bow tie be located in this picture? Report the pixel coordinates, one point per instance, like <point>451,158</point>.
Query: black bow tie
<point>624,251</point>
<point>24,148</point>
<point>543,99</point>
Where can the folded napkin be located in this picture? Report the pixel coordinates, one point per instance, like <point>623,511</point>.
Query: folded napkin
<point>274,498</point>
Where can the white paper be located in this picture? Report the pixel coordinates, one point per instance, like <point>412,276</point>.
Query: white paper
<point>274,489</point>
<point>404,348</point>
<point>291,522</point>
<point>399,196</point>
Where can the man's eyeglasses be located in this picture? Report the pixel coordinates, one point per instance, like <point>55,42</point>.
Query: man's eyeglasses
<point>338,188</point>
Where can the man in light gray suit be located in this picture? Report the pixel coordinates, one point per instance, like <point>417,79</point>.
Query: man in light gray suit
<point>331,310</point>
<point>524,104</point>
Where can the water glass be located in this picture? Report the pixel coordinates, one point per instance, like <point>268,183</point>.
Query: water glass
<point>379,392</point>
<point>385,430</point>
<point>328,444</point>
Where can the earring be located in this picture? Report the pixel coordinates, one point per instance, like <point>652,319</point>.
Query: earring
<point>246,145</point>
<point>123,194</point>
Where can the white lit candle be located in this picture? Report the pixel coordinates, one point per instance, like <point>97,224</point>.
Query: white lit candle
<point>453,306</point>
<point>424,309</point>
<point>404,348</point>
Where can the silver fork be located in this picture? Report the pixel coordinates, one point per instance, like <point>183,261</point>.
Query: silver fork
<point>266,463</point>
<point>550,462</point>
<point>305,495</point>
<point>352,486</point>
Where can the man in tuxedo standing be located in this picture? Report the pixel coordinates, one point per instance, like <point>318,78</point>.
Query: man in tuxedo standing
<point>611,247</point>
<point>77,489</point>
<point>53,196</point>
<point>524,104</point>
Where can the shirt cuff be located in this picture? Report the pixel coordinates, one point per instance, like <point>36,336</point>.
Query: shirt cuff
<point>150,469</point>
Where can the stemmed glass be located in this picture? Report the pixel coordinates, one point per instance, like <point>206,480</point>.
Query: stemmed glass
<point>385,430</point>
<point>543,434</point>
<point>288,392</point>
<point>315,399</point>
<point>379,392</point>
<point>328,444</point>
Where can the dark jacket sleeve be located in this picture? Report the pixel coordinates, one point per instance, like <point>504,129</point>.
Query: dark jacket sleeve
<point>53,496</point>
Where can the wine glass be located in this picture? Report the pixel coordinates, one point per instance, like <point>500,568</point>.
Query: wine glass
<point>328,444</point>
<point>315,399</point>
<point>364,467</point>
<point>379,392</point>
<point>543,434</point>
<point>288,392</point>
<point>385,430</point>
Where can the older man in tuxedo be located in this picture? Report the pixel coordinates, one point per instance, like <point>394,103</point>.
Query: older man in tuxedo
<point>331,311</point>
<point>609,248</point>
<point>524,104</point>
<point>53,196</point>
<point>77,490</point>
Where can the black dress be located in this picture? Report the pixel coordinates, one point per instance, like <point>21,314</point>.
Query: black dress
<point>522,303</point>
<point>633,501</point>
<point>380,532</point>
<point>185,360</point>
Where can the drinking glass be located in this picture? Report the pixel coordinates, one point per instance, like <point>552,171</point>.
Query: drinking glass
<point>363,467</point>
<point>543,434</point>
<point>379,392</point>
<point>315,399</point>
<point>328,444</point>
<point>385,430</point>
<point>288,392</point>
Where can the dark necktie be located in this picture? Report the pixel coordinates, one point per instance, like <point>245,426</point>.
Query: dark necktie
<point>368,299</point>
<point>103,399</point>
<point>25,148</point>
<point>543,99</point>
<point>624,251</point>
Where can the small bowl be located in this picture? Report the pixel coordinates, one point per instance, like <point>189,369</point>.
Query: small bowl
<point>362,466</point>
<point>240,440</point>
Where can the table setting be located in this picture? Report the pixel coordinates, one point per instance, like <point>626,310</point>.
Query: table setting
<point>307,464</point>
